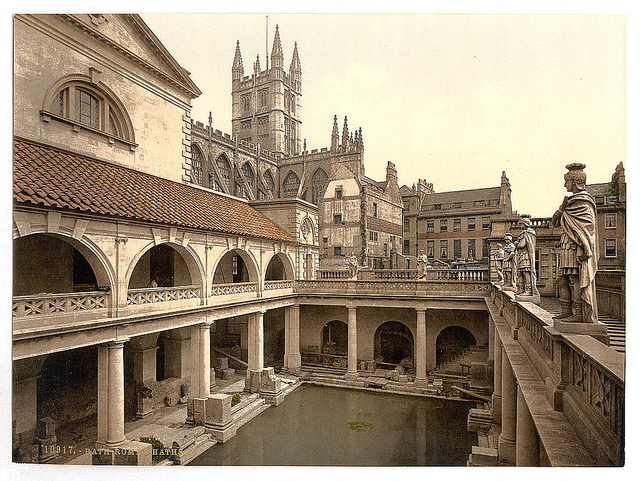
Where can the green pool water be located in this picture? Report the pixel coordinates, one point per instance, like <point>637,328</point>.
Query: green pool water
<point>324,426</point>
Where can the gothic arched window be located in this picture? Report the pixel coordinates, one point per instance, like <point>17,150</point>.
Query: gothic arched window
<point>247,172</point>
<point>197,163</point>
<point>225,170</point>
<point>268,180</point>
<point>318,185</point>
<point>290,185</point>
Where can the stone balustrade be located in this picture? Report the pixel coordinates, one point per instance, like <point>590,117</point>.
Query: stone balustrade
<point>235,288</point>
<point>161,294</point>
<point>276,285</point>
<point>31,311</point>
<point>572,375</point>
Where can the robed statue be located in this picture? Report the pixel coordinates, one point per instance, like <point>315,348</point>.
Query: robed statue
<point>525,259</point>
<point>579,250</point>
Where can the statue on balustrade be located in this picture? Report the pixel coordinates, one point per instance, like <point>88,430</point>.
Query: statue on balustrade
<point>352,264</point>
<point>579,249</point>
<point>498,256</point>
<point>509,263</point>
<point>422,265</point>
<point>525,261</point>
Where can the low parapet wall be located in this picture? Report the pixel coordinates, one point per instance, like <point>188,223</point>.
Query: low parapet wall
<point>573,385</point>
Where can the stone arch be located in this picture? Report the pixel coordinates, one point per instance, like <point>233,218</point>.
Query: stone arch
<point>186,255</point>
<point>96,259</point>
<point>290,185</point>
<point>279,268</point>
<point>335,338</point>
<point>308,230</point>
<point>452,341</point>
<point>393,341</point>
<point>319,182</point>
<point>223,270</point>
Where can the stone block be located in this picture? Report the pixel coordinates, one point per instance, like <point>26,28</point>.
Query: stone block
<point>403,378</point>
<point>226,373</point>
<point>222,363</point>
<point>133,453</point>
<point>371,365</point>
<point>483,456</point>
<point>171,399</point>
<point>196,411</point>
<point>219,423</point>
<point>102,456</point>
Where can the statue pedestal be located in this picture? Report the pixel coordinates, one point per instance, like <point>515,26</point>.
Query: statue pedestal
<point>597,330</point>
<point>535,299</point>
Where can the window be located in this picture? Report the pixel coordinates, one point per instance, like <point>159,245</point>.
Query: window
<point>337,218</point>
<point>610,248</point>
<point>262,96</point>
<point>318,185</point>
<point>406,247</point>
<point>485,248</point>
<point>599,199</point>
<point>86,105</point>
<point>486,223</point>
<point>457,225</point>
<point>430,249</point>
<point>225,170</point>
<point>339,192</point>
<point>293,104</point>
<point>290,185</point>
<point>337,251</point>
<point>610,221</point>
<point>430,226</point>
<point>457,248</point>
<point>248,175</point>
<point>456,205</point>
<point>471,248</point>
<point>246,102</point>
<point>612,199</point>
<point>437,206</point>
<point>373,236</point>
<point>407,225</point>
<point>196,166</point>
<point>471,223</point>
<point>444,249</point>
<point>384,249</point>
<point>325,245</point>
<point>375,209</point>
<point>444,225</point>
<point>478,203</point>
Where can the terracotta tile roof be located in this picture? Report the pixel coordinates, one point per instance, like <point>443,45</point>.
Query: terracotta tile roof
<point>48,177</point>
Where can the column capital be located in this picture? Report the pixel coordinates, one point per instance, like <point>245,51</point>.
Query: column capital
<point>351,305</point>
<point>117,343</point>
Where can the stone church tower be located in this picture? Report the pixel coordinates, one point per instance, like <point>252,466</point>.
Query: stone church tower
<point>267,105</point>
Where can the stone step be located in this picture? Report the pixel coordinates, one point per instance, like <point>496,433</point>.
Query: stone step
<point>249,411</point>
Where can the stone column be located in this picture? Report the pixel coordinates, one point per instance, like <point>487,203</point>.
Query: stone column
<point>292,359</point>
<point>111,394</point>
<point>252,354</point>
<point>421,348</point>
<point>490,354</point>
<point>527,445</point>
<point>200,360</point>
<point>260,339</point>
<point>352,369</point>
<point>507,440</point>
<point>496,398</point>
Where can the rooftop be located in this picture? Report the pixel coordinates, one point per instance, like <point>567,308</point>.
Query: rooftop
<point>49,177</point>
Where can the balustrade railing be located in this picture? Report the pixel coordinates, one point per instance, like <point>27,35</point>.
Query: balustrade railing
<point>153,295</point>
<point>333,274</point>
<point>235,288</point>
<point>28,307</point>
<point>274,285</point>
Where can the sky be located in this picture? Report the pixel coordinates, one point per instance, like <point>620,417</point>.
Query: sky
<point>453,99</point>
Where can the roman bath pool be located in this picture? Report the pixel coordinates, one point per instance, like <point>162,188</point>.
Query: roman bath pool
<point>325,426</point>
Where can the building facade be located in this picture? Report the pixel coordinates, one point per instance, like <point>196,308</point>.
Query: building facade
<point>453,226</point>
